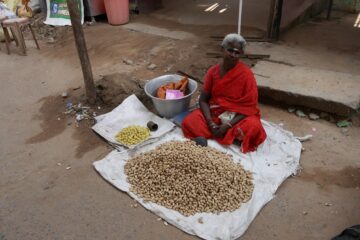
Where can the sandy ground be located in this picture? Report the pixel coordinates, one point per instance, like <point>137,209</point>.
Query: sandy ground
<point>41,199</point>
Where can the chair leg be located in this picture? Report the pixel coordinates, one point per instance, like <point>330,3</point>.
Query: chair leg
<point>21,38</point>
<point>15,38</point>
<point>32,32</point>
<point>7,39</point>
<point>21,28</point>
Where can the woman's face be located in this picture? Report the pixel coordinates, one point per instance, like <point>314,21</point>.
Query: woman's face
<point>232,52</point>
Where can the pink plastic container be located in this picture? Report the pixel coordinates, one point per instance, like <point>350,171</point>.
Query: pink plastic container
<point>117,11</point>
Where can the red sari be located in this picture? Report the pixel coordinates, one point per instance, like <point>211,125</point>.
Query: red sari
<point>235,92</point>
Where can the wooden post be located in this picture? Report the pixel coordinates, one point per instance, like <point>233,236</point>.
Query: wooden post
<point>271,18</point>
<point>329,9</point>
<point>82,51</point>
<point>277,21</point>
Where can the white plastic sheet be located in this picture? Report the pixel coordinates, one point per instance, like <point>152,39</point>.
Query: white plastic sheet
<point>130,112</point>
<point>275,160</point>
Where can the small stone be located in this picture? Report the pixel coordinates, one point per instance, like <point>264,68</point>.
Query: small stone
<point>136,205</point>
<point>327,204</point>
<point>64,94</point>
<point>313,116</point>
<point>99,107</point>
<point>165,223</point>
<point>291,109</point>
<point>59,164</point>
<point>58,119</point>
<point>151,66</point>
<point>68,168</point>
<point>300,113</point>
<point>305,212</point>
<point>158,219</point>
<point>128,62</point>
<point>200,220</point>
<point>344,130</point>
<point>50,40</point>
<point>302,149</point>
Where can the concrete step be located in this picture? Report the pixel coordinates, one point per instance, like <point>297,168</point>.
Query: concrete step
<point>324,90</point>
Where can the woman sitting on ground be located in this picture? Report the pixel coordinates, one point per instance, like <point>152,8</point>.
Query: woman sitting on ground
<point>228,102</point>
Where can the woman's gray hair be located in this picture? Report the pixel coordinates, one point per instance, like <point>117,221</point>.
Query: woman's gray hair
<point>233,38</point>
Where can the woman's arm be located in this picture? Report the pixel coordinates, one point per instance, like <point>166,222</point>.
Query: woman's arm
<point>205,109</point>
<point>204,106</point>
<point>238,117</point>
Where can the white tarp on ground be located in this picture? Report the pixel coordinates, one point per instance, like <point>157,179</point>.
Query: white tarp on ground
<point>130,112</point>
<point>275,160</point>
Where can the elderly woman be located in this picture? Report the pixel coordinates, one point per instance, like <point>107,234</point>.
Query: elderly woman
<point>228,102</point>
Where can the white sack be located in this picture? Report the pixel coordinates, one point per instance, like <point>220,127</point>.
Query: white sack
<point>275,160</point>
<point>58,13</point>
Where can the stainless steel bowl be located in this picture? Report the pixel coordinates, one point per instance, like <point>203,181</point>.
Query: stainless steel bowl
<point>169,108</point>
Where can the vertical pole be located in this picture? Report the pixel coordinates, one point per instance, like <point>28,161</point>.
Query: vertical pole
<point>271,18</point>
<point>277,21</point>
<point>82,50</point>
<point>240,15</point>
<point>329,9</point>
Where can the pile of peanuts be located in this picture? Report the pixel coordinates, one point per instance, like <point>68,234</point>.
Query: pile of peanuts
<point>132,135</point>
<point>189,178</point>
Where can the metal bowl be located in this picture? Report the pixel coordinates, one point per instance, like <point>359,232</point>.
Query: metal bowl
<point>169,108</point>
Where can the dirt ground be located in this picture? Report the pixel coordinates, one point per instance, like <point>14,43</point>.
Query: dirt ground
<point>49,189</point>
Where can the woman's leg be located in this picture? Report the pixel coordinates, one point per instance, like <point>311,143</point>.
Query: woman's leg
<point>249,131</point>
<point>194,125</point>
<point>253,133</point>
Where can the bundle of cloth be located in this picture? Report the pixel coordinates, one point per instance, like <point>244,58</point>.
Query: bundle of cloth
<point>173,90</point>
<point>12,8</point>
<point>5,11</point>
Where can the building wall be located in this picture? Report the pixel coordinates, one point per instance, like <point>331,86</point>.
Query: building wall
<point>297,11</point>
<point>347,5</point>
<point>255,12</point>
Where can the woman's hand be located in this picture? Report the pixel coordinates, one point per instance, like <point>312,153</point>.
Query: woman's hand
<point>218,131</point>
<point>213,127</point>
<point>222,130</point>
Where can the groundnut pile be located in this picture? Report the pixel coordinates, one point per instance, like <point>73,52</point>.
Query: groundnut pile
<point>132,135</point>
<point>189,178</point>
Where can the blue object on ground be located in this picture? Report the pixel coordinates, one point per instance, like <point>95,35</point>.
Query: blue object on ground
<point>180,117</point>
<point>201,141</point>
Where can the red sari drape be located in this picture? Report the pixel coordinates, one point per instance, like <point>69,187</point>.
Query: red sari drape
<point>234,92</point>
